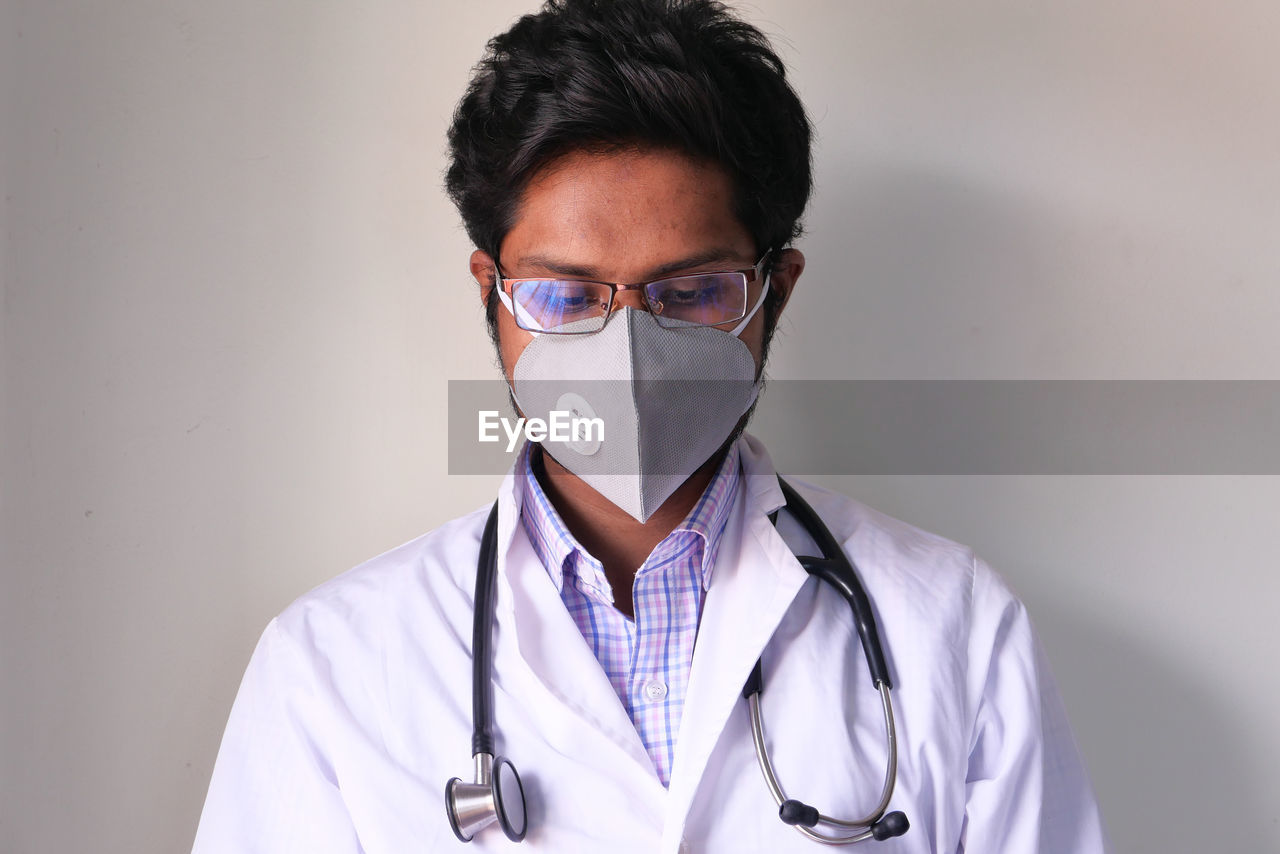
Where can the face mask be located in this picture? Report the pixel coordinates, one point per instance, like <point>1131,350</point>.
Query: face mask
<point>667,399</point>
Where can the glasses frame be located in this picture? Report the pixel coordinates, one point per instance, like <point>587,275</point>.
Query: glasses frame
<point>506,288</point>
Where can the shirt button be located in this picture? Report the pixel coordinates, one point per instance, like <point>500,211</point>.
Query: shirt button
<point>655,690</point>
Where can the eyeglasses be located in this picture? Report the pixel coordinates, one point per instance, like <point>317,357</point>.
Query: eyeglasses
<point>573,307</point>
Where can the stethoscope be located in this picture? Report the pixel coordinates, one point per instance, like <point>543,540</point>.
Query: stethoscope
<point>497,794</point>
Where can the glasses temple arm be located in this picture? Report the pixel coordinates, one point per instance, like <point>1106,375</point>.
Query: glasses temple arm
<point>519,312</point>
<point>742,324</point>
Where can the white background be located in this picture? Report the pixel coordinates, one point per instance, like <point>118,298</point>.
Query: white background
<point>233,294</point>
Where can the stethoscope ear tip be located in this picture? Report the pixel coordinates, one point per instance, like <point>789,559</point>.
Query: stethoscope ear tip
<point>795,812</point>
<point>893,824</point>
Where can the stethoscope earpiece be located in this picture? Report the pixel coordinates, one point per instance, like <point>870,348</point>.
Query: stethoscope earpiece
<point>496,795</point>
<point>893,824</point>
<point>795,812</point>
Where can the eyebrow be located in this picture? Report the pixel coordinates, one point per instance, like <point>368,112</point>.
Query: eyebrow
<point>558,267</point>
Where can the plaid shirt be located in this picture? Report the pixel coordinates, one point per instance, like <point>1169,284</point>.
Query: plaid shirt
<point>646,659</point>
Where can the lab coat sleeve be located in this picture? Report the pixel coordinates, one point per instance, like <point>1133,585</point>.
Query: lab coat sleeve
<point>272,791</point>
<point>1026,788</point>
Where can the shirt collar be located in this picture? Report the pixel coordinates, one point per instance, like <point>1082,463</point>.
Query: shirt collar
<point>551,540</point>
<point>708,517</point>
<point>560,552</point>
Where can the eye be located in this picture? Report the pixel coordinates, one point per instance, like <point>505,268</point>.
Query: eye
<point>690,291</point>
<point>565,299</point>
<point>581,301</point>
<point>677,296</point>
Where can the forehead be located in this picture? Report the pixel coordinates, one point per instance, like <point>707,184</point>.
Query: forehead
<point>622,212</point>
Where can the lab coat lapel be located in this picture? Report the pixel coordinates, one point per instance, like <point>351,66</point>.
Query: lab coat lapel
<point>754,581</point>
<point>561,667</point>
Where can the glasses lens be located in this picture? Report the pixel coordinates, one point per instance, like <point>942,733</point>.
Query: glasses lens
<point>560,307</point>
<point>706,300</point>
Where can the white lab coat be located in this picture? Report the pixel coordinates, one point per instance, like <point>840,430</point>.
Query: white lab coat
<point>356,706</point>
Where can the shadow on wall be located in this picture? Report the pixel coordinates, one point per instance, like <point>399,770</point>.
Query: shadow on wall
<point>1167,758</point>
<point>931,278</point>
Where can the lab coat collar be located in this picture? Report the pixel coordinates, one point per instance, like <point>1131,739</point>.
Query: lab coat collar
<point>759,475</point>
<point>510,497</point>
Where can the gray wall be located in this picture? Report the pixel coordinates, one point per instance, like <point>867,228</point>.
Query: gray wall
<point>233,295</point>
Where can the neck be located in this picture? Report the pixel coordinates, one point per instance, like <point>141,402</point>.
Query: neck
<point>610,534</point>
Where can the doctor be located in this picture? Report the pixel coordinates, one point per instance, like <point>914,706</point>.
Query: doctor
<point>633,173</point>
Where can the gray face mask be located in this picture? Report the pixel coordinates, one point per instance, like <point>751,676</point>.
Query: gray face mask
<point>667,398</point>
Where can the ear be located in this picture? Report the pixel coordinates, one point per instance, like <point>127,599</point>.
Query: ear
<point>485,272</point>
<point>786,272</point>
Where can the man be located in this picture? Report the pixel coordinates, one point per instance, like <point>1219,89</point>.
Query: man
<point>632,174</point>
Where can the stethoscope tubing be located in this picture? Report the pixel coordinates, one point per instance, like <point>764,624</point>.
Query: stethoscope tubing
<point>834,567</point>
<point>838,570</point>
<point>482,633</point>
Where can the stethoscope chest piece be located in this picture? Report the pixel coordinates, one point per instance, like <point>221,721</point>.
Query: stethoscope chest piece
<point>496,795</point>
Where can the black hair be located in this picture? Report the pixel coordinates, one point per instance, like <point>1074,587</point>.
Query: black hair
<point>603,74</point>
